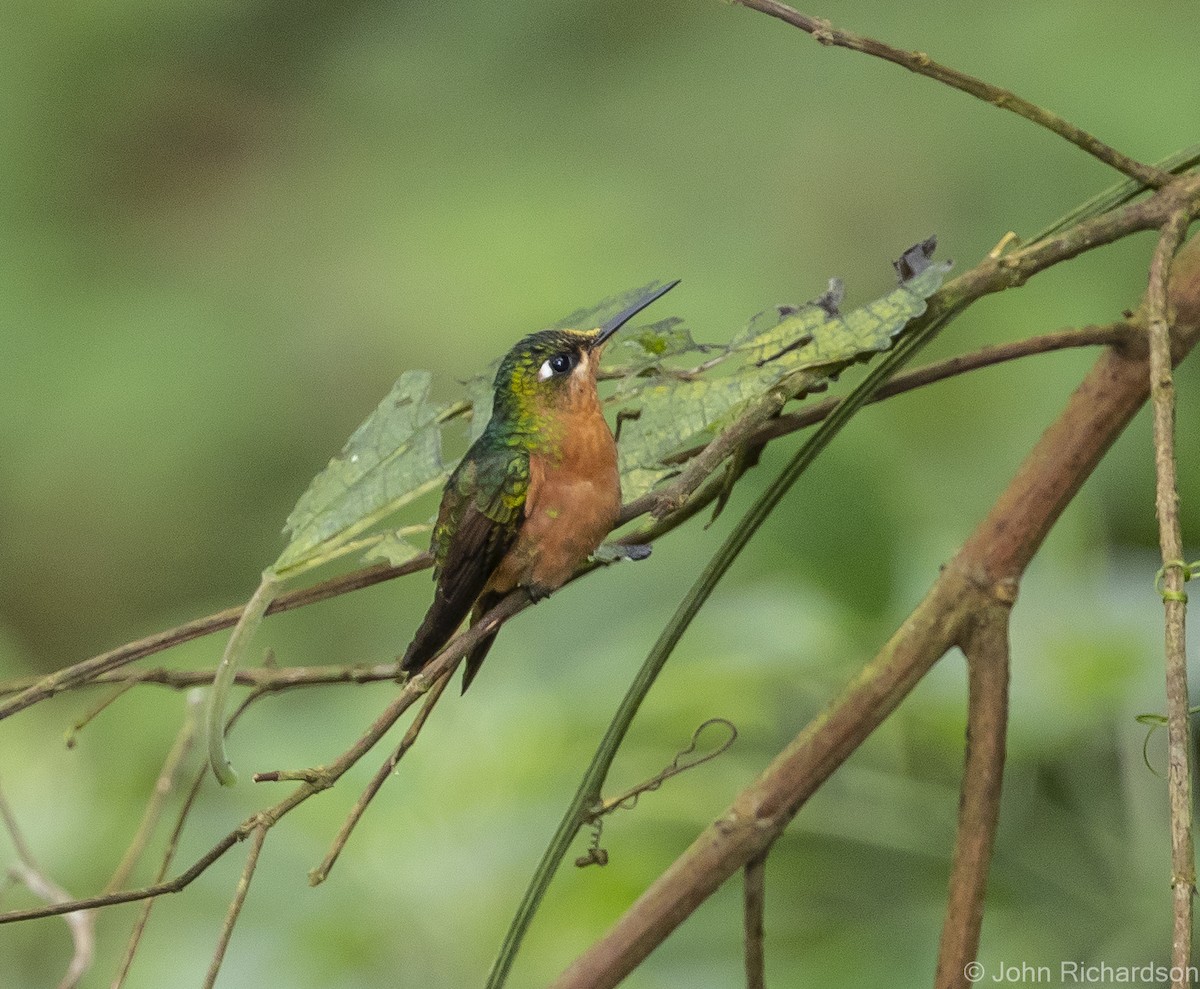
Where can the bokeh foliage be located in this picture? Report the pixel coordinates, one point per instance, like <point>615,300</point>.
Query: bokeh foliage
<point>230,227</point>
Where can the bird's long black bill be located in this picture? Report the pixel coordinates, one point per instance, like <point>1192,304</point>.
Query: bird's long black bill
<point>623,317</point>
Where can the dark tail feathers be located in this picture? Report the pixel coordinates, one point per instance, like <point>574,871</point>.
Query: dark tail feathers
<point>437,628</point>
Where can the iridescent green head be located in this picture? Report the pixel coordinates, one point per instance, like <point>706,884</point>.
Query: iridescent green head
<point>555,370</point>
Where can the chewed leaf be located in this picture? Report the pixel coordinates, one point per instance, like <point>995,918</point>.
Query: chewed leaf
<point>479,393</point>
<point>666,338</point>
<point>798,348</point>
<point>393,457</point>
<point>673,415</point>
<point>396,548</point>
<point>785,329</point>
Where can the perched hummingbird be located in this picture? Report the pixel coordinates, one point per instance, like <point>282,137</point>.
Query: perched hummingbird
<point>535,495</point>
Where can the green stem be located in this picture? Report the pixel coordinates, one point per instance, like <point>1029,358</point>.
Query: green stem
<point>1119,194</point>
<point>218,700</point>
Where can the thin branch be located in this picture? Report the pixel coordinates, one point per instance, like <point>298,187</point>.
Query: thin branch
<point>321,872</point>
<point>987,651</point>
<point>1108,334</point>
<point>265,678</point>
<point>89,669</point>
<point>1162,394</point>
<point>30,875</point>
<point>235,907</point>
<point>139,927</point>
<point>922,64</point>
<point>754,903</point>
<point>1176,163</point>
<point>90,715</point>
<point>314,780</point>
<point>158,798</point>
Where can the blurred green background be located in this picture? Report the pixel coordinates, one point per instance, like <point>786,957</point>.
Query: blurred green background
<point>229,226</point>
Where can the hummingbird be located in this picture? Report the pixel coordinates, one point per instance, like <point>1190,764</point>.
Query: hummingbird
<point>535,494</point>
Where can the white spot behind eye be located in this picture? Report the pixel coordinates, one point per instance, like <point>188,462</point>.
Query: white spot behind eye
<point>545,371</point>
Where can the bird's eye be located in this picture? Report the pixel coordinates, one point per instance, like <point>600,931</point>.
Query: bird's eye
<point>558,364</point>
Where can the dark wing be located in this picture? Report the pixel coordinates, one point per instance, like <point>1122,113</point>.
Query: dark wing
<point>482,509</point>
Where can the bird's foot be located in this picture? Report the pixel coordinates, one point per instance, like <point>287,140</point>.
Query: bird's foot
<point>612,552</point>
<point>538,592</point>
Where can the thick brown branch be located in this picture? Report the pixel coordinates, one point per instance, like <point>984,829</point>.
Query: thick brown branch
<point>922,64</point>
<point>987,652</point>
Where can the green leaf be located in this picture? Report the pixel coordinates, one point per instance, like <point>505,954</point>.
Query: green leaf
<point>800,348</point>
<point>395,547</point>
<point>394,457</point>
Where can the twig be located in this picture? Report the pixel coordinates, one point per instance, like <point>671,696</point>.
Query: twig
<point>92,712</point>
<point>158,798</point>
<point>235,907</point>
<point>1162,395</point>
<point>983,574</point>
<point>753,906</point>
<point>1176,163</point>
<point>922,64</point>
<point>987,651</point>
<point>315,780</point>
<point>27,872</point>
<point>1109,334</point>
<point>321,872</point>
<point>139,927</point>
<point>267,678</point>
<point>89,669</point>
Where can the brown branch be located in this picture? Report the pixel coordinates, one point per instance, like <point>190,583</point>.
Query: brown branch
<point>89,669</point>
<point>987,651</point>
<point>922,64</point>
<point>754,903</point>
<point>1162,393</point>
<point>312,780</point>
<point>1107,334</point>
<point>321,872</point>
<point>235,907</point>
<point>139,927</point>
<point>158,797</point>
<point>983,575</point>
<point>270,679</point>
